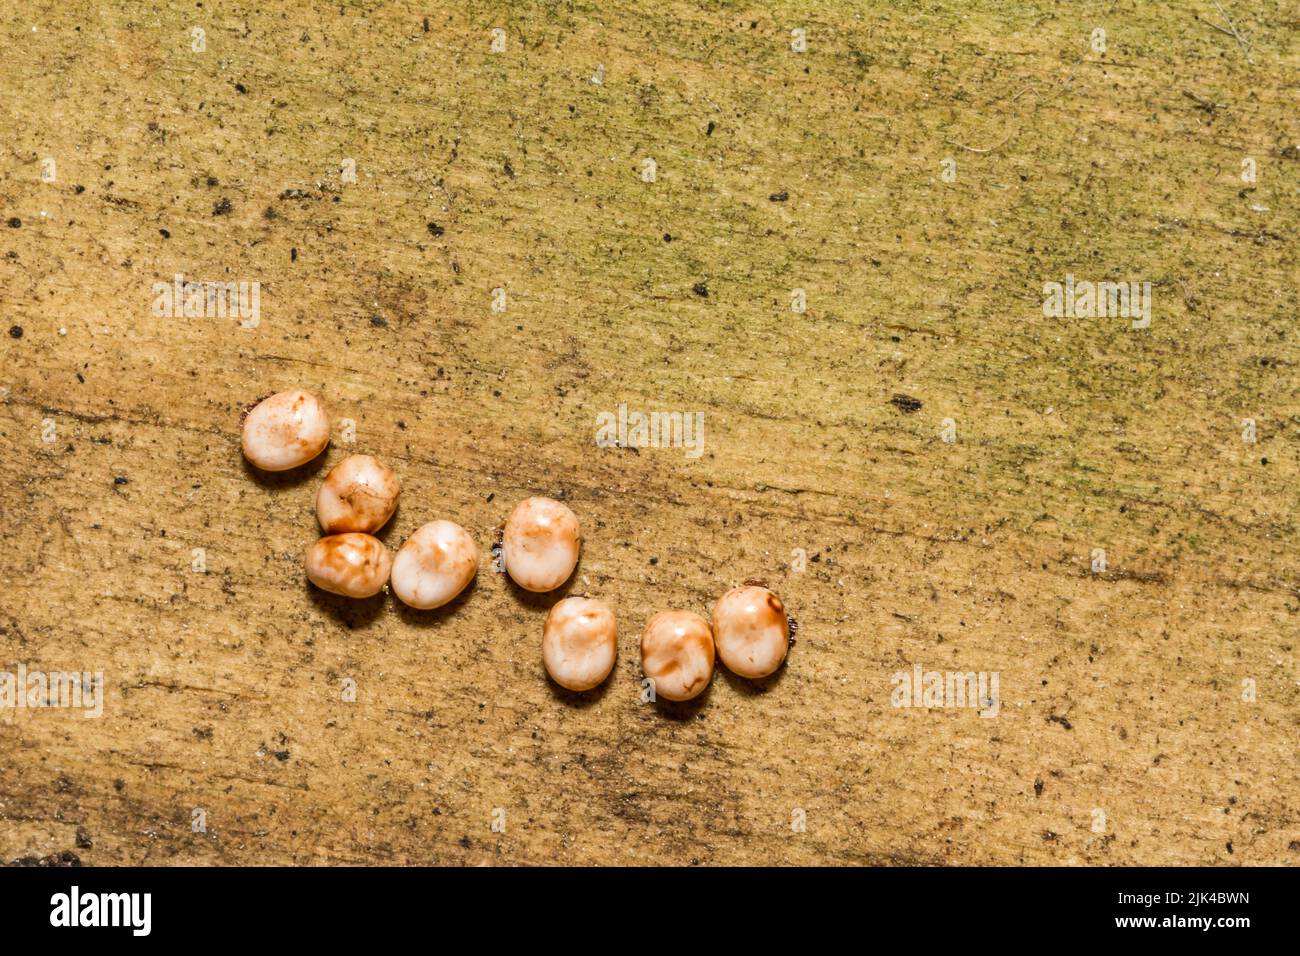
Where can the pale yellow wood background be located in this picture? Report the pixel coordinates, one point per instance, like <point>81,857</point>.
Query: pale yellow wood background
<point>1122,692</point>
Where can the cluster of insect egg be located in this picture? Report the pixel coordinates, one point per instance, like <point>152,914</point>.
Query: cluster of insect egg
<point>750,630</point>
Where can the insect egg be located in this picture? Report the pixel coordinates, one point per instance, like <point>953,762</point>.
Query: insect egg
<point>751,630</point>
<point>286,430</point>
<point>677,654</point>
<point>359,494</point>
<point>539,547</point>
<point>434,565</point>
<point>352,565</point>
<point>579,643</point>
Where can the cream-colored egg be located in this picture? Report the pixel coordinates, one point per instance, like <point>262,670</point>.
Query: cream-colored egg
<point>677,654</point>
<point>751,631</point>
<point>286,430</point>
<point>359,494</point>
<point>579,643</point>
<point>353,565</point>
<point>540,545</point>
<point>435,564</point>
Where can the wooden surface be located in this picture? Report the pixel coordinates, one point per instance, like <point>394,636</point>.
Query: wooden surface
<point>1121,691</point>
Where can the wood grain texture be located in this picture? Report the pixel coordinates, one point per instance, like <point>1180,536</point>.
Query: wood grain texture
<point>1121,692</point>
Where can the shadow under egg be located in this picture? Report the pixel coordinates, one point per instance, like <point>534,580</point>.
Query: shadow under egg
<point>290,478</point>
<point>752,686</point>
<point>353,612</point>
<point>576,699</point>
<point>435,616</point>
<point>684,710</point>
<point>543,600</point>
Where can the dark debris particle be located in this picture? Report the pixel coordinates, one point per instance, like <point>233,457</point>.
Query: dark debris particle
<point>84,842</point>
<point>379,322</point>
<point>779,197</point>
<point>1064,722</point>
<point>240,88</point>
<point>78,189</point>
<point>509,170</point>
<point>293,255</point>
<point>121,480</point>
<point>668,237</point>
<point>281,755</point>
<point>436,230</point>
<point>222,207</point>
<point>15,223</point>
<point>905,403</point>
<point>1038,787</point>
<point>15,331</point>
<point>712,126</point>
<point>701,289</point>
<point>164,233</point>
<point>654,561</point>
